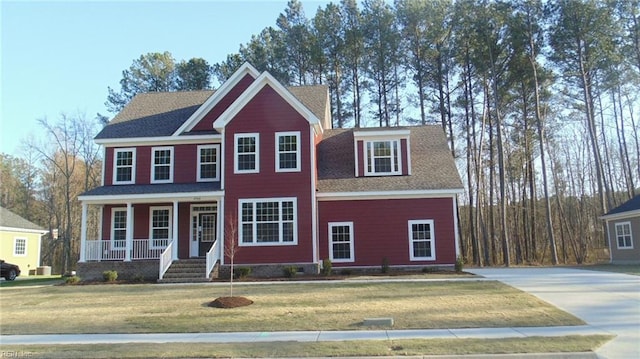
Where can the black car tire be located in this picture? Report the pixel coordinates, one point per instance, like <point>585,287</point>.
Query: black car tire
<point>12,275</point>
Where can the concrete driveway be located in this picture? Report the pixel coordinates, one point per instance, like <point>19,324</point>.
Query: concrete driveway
<point>606,301</point>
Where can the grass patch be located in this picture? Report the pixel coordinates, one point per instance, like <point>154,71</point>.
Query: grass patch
<point>413,347</point>
<point>32,281</point>
<point>152,308</point>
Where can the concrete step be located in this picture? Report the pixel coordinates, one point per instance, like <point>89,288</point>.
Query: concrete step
<point>186,271</point>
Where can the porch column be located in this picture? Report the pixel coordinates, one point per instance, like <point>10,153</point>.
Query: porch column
<point>129,244</point>
<point>174,239</point>
<point>83,233</point>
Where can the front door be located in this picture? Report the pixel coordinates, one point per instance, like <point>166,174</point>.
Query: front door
<point>203,232</point>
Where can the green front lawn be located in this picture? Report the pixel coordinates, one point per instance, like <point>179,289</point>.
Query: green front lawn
<point>334,305</point>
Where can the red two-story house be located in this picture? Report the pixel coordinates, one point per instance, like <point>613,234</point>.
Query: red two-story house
<point>188,174</point>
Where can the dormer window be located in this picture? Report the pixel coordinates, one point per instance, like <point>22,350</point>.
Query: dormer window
<point>162,165</point>
<point>382,152</point>
<point>383,158</point>
<point>124,166</point>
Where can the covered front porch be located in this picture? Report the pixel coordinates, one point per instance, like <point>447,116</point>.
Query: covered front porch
<point>152,225</point>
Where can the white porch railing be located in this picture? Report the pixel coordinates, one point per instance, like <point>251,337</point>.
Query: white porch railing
<point>213,256</point>
<point>165,260</point>
<point>107,250</point>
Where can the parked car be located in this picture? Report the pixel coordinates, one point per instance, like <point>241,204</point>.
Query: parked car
<point>9,271</point>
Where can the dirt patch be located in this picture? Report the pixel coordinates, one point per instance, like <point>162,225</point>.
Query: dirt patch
<point>230,302</point>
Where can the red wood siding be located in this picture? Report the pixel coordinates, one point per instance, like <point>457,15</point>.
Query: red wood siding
<point>381,229</point>
<point>206,124</point>
<point>361,159</point>
<point>405,157</point>
<point>185,163</point>
<point>266,114</point>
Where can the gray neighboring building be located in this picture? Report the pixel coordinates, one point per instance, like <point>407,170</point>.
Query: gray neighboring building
<point>623,232</point>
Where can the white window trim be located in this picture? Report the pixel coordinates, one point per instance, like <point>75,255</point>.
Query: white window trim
<point>369,155</point>
<point>153,164</point>
<point>621,224</point>
<point>298,152</point>
<point>351,242</point>
<point>133,165</point>
<point>256,136</point>
<point>15,243</point>
<point>113,229</point>
<point>170,229</point>
<point>217,177</point>
<point>432,240</point>
<point>254,242</point>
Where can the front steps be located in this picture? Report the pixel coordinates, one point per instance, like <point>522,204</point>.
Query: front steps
<point>186,271</point>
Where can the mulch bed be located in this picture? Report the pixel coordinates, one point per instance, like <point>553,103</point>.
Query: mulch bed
<point>230,302</point>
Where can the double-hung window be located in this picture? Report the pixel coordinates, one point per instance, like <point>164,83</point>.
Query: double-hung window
<point>20,247</point>
<point>124,166</point>
<point>623,235</point>
<point>287,151</point>
<point>422,240</point>
<point>268,221</point>
<point>341,242</point>
<point>119,228</point>
<point>162,165</point>
<point>160,230</point>
<point>383,158</point>
<point>247,153</point>
<point>208,163</point>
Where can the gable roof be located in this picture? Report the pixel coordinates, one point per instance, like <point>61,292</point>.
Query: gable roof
<point>433,166</point>
<point>154,114</point>
<point>10,220</point>
<point>208,105</point>
<point>265,79</point>
<point>629,208</point>
<point>162,114</point>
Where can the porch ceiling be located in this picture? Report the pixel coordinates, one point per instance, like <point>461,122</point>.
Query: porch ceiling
<point>153,193</point>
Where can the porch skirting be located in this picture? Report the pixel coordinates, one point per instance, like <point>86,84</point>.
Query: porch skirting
<point>147,270</point>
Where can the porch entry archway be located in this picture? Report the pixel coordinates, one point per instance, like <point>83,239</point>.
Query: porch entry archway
<point>204,226</point>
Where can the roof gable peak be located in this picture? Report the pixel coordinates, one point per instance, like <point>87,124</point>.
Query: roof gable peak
<point>201,112</point>
<point>263,80</point>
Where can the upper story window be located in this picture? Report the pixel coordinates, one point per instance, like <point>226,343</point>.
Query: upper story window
<point>287,151</point>
<point>247,153</point>
<point>382,158</point>
<point>208,163</point>
<point>382,152</point>
<point>124,166</point>
<point>162,165</point>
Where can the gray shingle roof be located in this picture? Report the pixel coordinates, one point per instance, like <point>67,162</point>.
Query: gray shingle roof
<point>631,205</point>
<point>12,220</point>
<point>432,165</point>
<point>159,114</point>
<point>135,189</point>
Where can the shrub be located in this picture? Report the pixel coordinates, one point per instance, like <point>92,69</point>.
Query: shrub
<point>290,271</point>
<point>385,265</point>
<point>459,264</point>
<point>110,275</point>
<point>241,272</point>
<point>326,267</point>
<point>72,280</point>
<point>429,269</point>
